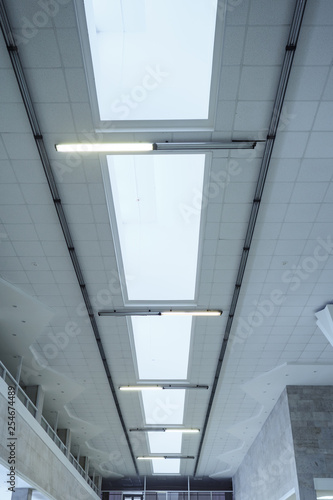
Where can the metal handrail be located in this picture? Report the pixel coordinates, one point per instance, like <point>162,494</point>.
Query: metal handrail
<point>22,396</point>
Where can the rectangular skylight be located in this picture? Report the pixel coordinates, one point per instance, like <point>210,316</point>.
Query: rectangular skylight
<point>152,59</point>
<point>164,407</point>
<point>160,442</point>
<point>171,466</point>
<point>162,346</point>
<point>157,211</point>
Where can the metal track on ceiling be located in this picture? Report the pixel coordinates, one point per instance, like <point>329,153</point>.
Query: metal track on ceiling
<point>38,137</point>
<point>295,27</point>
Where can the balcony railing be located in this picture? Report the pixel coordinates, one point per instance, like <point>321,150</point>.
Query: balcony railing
<point>21,395</point>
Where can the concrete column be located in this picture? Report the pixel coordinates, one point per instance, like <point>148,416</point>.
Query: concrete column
<point>65,436</point>
<point>99,482</point>
<point>22,494</point>
<point>55,426</point>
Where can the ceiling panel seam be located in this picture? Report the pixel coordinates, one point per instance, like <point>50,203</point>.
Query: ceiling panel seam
<point>38,137</point>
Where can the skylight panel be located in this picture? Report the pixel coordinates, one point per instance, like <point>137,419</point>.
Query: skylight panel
<point>160,442</point>
<point>147,54</point>
<point>164,407</point>
<point>162,346</point>
<point>168,466</point>
<point>157,206</point>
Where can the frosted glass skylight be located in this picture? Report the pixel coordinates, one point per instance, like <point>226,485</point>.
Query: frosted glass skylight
<point>160,442</point>
<point>157,208</point>
<point>147,54</point>
<point>162,346</point>
<point>168,466</point>
<point>164,407</point>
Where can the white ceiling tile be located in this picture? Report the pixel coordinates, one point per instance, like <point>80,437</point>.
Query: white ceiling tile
<point>21,232</point>
<point>48,57</point>
<point>28,248</point>
<point>48,85</point>
<point>9,88</point>
<point>297,230</point>
<point>274,212</point>
<point>324,116</point>
<point>314,191</point>
<point>76,84</point>
<point>229,83</point>
<point>20,146</point>
<point>306,82</point>
<point>234,37</point>
<point>55,117</point>
<point>298,115</point>
<point>262,13</point>
<point>3,152</point>
<point>258,83</point>
<point>224,115</point>
<point>34,192</point>
<point>313,46</point>
<point>69,38</point>
<point>290,144</point>
<point>253,115</point>
<point>13,214</point>
<point>302,212</point>
<point>279,192</point>
<point>265,45</point>
<point>29,171</point>
<point>319,13</point>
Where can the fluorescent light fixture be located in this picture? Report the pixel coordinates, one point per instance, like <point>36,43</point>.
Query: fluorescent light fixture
<point>184,431</point>
<point>203,146</point>
<point>161,387</point>
<point>137,147</point>
<point>166,457</point>
<point>104,147</point>
<point>191,313</point>
<point>165,429</point>
<point>149,312</point>
<point>140,388</point>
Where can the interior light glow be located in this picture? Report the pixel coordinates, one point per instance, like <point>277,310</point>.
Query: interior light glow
<point>104,147</point>
<point>191,313</point>
<point>141,388</point>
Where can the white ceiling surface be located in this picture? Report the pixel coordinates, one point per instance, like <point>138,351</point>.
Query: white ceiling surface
<point>295,211</point>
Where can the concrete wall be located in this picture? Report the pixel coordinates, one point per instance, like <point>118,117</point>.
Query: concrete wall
<point>311,415</point>
<point>38,460</point>
<point>269,470</point>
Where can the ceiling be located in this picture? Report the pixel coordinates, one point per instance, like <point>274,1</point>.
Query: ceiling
<point>274,339</point>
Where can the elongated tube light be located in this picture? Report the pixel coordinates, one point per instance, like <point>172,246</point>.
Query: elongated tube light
<point>149,312</point>
<point>137,147</point>
<point>104,147</point>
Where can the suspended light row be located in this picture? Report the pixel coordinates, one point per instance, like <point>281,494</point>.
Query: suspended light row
<point>166,312</point>
<point>139,147</point>
<point>160,387</point>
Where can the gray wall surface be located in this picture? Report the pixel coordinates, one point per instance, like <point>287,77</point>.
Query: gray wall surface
<point>311,414</point>
<point>269,470</point>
